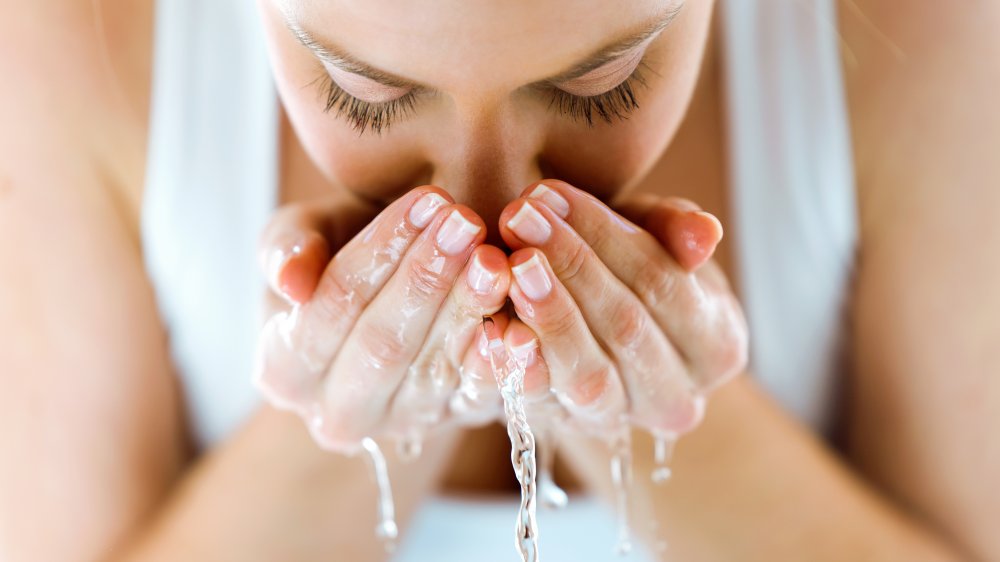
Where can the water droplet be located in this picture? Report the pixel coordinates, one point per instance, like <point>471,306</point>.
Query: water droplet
<point>621,479</point>
<point>663,450</point>
<point>386,529</point>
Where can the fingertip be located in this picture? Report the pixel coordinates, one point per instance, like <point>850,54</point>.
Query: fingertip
<point>426,205</point>
<point>690,234</point>
<point>299,273</point>
<point>488,273</point>
<point>698,234</point>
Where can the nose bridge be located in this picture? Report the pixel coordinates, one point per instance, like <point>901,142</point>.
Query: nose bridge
<point>493,157</point>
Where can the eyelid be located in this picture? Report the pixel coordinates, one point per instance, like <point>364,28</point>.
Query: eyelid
<point>605,77</point>
<point>363,88</point>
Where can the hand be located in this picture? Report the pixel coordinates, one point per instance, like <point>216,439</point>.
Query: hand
<point>372,341</point>
<point>631,323</point>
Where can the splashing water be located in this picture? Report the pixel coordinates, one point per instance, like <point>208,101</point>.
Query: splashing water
<point>662,452</point>
<point>553,497</point>
<point>621,479</point>
<point>510,377</point>
<point>386,530</point>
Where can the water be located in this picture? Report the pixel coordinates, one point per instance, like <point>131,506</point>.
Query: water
<point>553,497</point>
<point>510,377</point>
<point>386,530</point>
<point>621,479</point>
<point>663,450</point>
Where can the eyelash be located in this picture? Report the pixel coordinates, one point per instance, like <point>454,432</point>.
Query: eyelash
<point>362,114</point>
<point>616,103</point>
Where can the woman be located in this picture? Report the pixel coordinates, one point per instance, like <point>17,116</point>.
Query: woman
<point>124,443</point>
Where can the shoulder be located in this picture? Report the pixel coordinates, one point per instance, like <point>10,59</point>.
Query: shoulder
<point>921,82</point>
<point>78,80</point>
<point>922,88</point>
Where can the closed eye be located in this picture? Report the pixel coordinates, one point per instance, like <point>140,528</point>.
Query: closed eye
<point>609,106</point>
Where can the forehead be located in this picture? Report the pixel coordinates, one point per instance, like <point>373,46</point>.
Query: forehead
<point>450,43</point>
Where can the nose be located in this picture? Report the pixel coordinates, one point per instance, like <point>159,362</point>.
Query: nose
<point>491,160</point>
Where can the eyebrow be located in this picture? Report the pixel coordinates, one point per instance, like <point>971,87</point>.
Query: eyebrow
<point>612,51</point>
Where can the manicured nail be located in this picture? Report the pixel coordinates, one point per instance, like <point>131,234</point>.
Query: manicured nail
<point>525,351</point>
<point>532,278</point>
<point>530,225</point>
<point>551,198</point>
<point>425,208</point>
<point>481,279</point>
<point>456,233</point>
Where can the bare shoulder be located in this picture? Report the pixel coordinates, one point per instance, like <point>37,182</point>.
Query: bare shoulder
<point>78,75</point>
<point>922,88</point>
<point>86,375</point>
<point>920,80</point>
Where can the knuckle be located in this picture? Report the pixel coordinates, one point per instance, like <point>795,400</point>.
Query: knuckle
<point>426,281</point>
<point>335,298</point>
<point>381,347</point>
<point>571,264</point>
<point>655,284</point>
<point>558,323</point>
<point>629,325</point>
<point>591,389</point>
<point>434,373</point>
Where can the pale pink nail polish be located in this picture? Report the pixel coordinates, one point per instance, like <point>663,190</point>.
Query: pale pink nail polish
<point>552,198</point>
<point>532,278</point>
<point>456,233</point>
<point>481,279</point>
<point>425,208</point>
<point>530,225</point>
<point>525,351</point>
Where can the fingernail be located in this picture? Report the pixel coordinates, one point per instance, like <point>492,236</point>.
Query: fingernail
<point>714,219</point>
<point>525,351</point>
<point>481,279</point>
<point>551,198</point>
<point>276,264</point>
<point>425,208</point>
<point>530,225</point>
<point>532,278</point>
<point>456,233</point>
<point>484,346</point>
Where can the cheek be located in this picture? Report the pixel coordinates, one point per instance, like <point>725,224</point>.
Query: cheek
<point>611,158</point>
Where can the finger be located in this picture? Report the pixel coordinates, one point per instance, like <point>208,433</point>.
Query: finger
<point>582,377</point>
<point>294,246</point>
<point>300,344</point>
<point>714,346</point>
<point>434,375</point>
<point>376,355</point>
<point>477,399</point>
<point>522,344</point>
<point>659,385</point>
<point>690,234</point>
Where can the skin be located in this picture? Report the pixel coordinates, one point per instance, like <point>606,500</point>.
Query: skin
<point>913,479</point>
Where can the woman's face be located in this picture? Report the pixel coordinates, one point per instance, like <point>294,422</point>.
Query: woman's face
<point>482,97</point>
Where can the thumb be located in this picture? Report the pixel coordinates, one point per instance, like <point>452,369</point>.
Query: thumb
<point>680,225</point>
<point>295,246</point>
